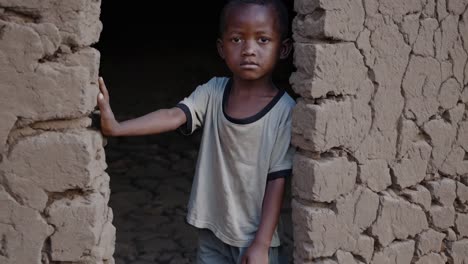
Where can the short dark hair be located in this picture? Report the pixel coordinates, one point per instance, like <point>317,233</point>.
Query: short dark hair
<point>278,5</point>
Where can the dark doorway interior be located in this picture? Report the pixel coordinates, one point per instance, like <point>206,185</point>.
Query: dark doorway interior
<point>150,62</point>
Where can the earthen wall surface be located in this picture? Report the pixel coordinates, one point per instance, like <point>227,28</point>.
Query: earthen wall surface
<point>381,173</point>
<point>53,187</point>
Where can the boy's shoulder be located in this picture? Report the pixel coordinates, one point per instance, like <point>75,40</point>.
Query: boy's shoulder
<point>288,101</point>
<point>216,83</point>
<point>282,111</point>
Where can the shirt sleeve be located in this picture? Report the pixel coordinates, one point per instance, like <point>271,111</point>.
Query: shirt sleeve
<point>282,154</point>
<point>194,107</point>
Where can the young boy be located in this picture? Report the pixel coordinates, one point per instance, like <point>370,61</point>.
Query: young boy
<point>245,151</point>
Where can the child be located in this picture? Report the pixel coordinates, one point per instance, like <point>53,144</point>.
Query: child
<point>245,151</point>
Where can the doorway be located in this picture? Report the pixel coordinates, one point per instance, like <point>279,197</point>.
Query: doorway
<point>149,63</point>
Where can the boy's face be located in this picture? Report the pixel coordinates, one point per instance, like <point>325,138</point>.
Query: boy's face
<point>251,43</point>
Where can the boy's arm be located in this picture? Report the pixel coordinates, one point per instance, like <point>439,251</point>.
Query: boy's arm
<point>159,121</point>
<point>257,252</point>
<point>271,209</point>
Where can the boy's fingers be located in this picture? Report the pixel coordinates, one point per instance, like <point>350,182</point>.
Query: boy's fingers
<point>102,87</point>
<point>101,99</point>
<point>102,103</point>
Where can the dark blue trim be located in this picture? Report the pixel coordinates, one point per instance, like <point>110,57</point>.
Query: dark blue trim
<point>279,174</point>
<point>186,128</point>
<point>250,119</point>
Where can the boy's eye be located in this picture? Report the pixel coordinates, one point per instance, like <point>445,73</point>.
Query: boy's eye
<point>236,40</point>
<point>263,40</point>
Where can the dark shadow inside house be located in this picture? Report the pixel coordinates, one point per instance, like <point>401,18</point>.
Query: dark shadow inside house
<point>148,62</point>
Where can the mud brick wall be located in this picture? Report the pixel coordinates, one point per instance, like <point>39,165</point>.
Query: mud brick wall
<point>381,173</point>
<point>53,188</point>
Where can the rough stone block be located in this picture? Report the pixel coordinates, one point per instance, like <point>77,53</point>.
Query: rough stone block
<point>458,251</point>
<point>341,20</point>
<point>443,191</point>
<point>421,86</point>
<point>450,235</point>
<point>407,133</point>
<point>420,195</point>
<point>447,69</point>
<point>23,231</point>
<point>461,224</point>
<point>74,160</point>
<point>316,232</point>
<point>442,135</point>
<point>455,163</point>
<point>410,28</point>
<point>323,69</point>
<point>456,6</point>
<point>397,9</point>
<point>459,57</point>
<point>432,258</point>
<point>429,241</point>
<point>364,247</point>
<point>84,219</point>
<point>462,193</point>
<point>49,35</point>
<point>463,28</point>
<point>387,55</point>
<point>320,127</point>
<point>445,36</point>
<point>462,137</point>
<point>357,209</point>
<point>37,88</point>
<point>320,232</point>
<point>375,174</point>
<point>424,44</point>
<point>318,261</point>
<point>397,219</point>
<point>449,93</point>
<point>346,258</point>
<point>322,180</point>
<point>441,9</point>
<point>455,114</point>
<point>395,253</point>
<point>429,8</point>
<point>442,217</point>
<point>377,145</point>
<point>412,170</point>
<point>26,191</point>
<point>77,20</point>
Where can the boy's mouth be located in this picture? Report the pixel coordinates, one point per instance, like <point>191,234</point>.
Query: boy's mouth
<point>249,65</point>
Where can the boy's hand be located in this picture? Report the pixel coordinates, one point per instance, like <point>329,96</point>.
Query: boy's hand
<point>108,123</point>
<point>257,253</point>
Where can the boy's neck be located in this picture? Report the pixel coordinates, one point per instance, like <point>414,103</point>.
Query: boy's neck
<point>253,88</point>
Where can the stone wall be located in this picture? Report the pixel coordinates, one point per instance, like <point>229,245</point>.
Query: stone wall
<point>53,187</point>
<point>381,173</point>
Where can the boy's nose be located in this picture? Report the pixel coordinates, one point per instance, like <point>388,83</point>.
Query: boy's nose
<point>248,49</point>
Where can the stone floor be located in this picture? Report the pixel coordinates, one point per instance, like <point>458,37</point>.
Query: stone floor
<point>150,185</point>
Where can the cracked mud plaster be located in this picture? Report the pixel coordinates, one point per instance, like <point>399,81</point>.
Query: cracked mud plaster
<point>48,78</point>
<point>33,87</point>
<point>412,146</point>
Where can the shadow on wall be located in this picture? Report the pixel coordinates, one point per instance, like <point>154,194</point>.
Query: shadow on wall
<point>150,62</point>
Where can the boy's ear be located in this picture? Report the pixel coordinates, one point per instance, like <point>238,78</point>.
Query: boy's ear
<point>219,45</point>
<point>286,47</point>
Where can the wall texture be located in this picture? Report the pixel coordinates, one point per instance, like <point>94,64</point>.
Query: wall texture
<point>53,188</point>
<point>381,174</point>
